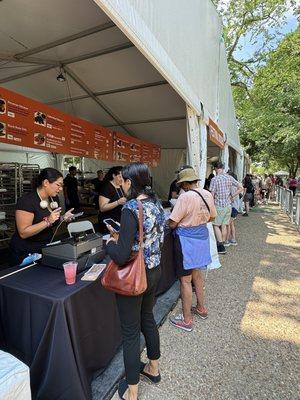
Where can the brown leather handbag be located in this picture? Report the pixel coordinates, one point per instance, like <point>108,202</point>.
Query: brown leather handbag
<point>129,279</point>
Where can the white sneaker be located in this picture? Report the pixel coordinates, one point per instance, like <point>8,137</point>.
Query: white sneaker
<point>227,243</point>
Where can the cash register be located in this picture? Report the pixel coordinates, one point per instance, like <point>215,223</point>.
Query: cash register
<point>85,249</point>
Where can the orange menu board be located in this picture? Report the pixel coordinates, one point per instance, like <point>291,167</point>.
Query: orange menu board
<point>215,134</point>
<point>80,137</point>
<point>151,154</point>
<point>103,143</point>
<point>126,148</point>
<point>26,122</point>
<point>29,123</point>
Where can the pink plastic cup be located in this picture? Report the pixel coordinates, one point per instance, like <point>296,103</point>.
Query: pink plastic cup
<point>70,269</point>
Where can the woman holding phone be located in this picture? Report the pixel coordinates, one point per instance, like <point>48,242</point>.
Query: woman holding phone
<point>136,312</point>
<point>36,215</point>
<point>111,198</point>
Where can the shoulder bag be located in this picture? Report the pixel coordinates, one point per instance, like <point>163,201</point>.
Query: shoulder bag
<point>129,279</point>
<point>205,202</point>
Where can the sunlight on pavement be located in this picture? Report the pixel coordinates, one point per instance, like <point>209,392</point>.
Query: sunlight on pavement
<point>273,313</point>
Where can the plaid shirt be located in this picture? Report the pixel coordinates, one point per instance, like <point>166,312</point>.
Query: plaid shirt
<point>222,186</point>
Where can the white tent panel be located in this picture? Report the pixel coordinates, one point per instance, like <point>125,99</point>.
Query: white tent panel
<point>36,25</point>
<point>149,103</point>
<point>92,165</point>
<point>86,109</point>
<point>6,42</point>
<point>88,44</point>
<point>44,87</point>
<point>9,68</point>
<point>116,70</point>
<point>169,134</point>
<point>183,46</point>
<point>25,155</point>
<point>227,119</point>
<point>164,175</point>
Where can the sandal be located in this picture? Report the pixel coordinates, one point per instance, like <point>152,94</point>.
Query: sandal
<point>152,378</point>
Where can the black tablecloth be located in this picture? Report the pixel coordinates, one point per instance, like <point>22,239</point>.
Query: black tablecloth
<point>64,333</point>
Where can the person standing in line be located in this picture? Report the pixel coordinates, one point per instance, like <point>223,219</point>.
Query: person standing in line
<point>71,190</point>
<point>248,193</point>
<point>136,312</point>
<point>269,184</point>
<point>193,209</point>
<point>173,191</point>
<point>293,183</point>
<point>224,188</point>
<point>207,181</point>
<point>111,197</point>
<point>231,231</point>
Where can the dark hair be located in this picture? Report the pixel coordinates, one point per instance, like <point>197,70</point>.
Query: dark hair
<point>247,180</point>
<point>51,174</point>
<point>111,172</point>
<point>140,178</point>
<point>72,168</point>
<point>219,165</point>
<point>231,173</point>
<point>100,171</point>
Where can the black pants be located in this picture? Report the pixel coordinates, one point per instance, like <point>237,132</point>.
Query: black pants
<point>136,315</point>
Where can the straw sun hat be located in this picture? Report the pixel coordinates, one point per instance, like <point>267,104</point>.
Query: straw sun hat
<point>187,175</point>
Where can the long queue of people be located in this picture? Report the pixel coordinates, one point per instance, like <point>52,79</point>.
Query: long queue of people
<point>120,193</point>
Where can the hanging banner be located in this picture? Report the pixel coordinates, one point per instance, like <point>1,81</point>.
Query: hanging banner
<point>25,122</point>
<point>127,149</point>
<point>103,143</point>
<point>29,123</point>
<point>215,134</point>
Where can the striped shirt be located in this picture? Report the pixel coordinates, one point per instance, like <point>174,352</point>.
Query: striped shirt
<point>222,186</point>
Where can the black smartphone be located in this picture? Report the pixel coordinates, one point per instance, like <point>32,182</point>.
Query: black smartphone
<point>113,224</point>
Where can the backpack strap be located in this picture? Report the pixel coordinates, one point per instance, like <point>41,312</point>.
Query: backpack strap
<point>205,202</point>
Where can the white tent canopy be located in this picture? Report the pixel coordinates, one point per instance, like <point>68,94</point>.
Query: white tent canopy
<point>130,65</point>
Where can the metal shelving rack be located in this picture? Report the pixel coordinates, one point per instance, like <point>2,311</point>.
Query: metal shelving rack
<point>27,174</point>
<point>9,178</point>
<point>15,180</point>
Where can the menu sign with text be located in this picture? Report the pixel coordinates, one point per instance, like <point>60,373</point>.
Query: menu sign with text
<point>215,134</point>
<point>103,143</point>
<point>29,123</point>
<point>127,149</point>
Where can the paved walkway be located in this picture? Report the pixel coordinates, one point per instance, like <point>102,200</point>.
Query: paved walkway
<point>247,349</point>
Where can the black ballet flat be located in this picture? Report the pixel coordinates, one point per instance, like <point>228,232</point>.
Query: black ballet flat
<point>153,379</point>
<point>123,386</point>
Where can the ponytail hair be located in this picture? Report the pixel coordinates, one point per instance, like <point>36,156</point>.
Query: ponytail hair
<point>139,175</point>
<point>51,174</point>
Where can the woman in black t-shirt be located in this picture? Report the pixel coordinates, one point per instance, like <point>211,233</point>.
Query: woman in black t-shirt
<point>36,214</point>
<point>111,198</point>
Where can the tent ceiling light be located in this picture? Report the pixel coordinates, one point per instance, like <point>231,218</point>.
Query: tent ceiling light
<point>60,77</point>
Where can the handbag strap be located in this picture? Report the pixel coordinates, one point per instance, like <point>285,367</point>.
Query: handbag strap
<point>207,206</point>
<point>141,222</point>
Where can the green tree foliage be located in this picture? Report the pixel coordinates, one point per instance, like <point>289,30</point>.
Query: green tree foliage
<point>257,23</point>
<point>270,115</point>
